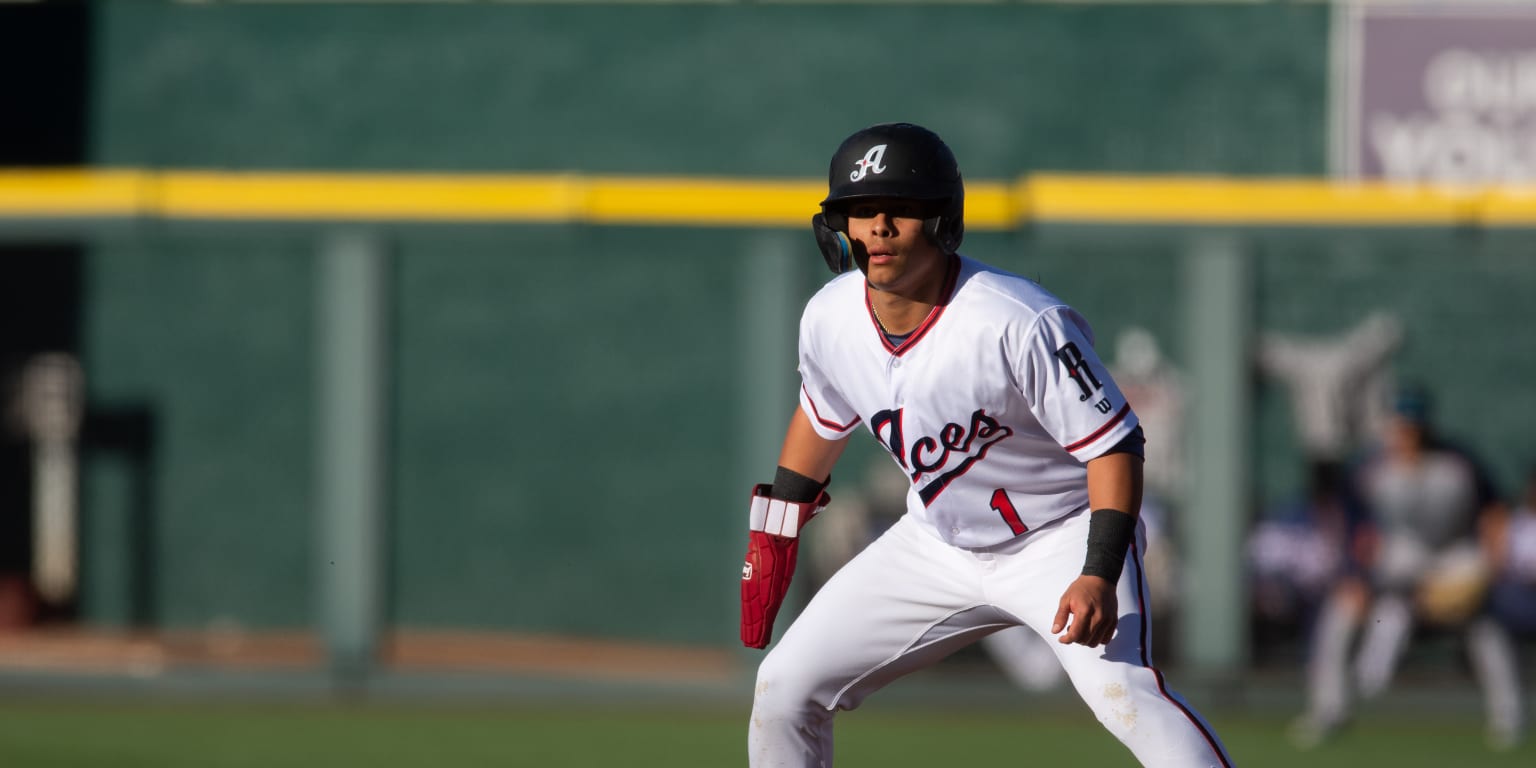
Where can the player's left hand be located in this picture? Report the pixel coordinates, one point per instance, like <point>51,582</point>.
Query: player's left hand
<point>1090,605</point>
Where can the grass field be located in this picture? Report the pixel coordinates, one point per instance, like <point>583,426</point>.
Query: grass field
<point>123,733</point>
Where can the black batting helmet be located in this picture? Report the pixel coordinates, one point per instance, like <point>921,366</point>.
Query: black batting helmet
<point>899,160</point>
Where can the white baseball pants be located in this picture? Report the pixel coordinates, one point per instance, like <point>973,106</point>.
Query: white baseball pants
<point>909,600</point>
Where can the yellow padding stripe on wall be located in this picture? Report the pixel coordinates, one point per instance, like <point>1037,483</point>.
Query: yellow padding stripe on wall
<point>71,193</point>
<point>702,201</point>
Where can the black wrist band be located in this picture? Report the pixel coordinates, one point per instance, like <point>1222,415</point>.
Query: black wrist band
<point>1110,533</point>
<point>790,485</point>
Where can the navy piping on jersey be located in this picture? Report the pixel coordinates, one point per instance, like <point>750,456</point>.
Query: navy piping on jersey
<point>904,343</point>
<point>1098,433</point>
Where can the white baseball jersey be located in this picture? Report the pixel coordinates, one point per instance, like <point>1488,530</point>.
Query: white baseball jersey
<point>992,406</point>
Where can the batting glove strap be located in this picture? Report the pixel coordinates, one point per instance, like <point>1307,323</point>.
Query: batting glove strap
<point>773,545</point>
<point>780,517</point>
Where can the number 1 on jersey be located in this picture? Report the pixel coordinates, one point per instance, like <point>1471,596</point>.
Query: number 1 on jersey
<point>1004,507</point>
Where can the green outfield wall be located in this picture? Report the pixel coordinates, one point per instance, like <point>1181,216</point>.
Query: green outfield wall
<point>574,410</point>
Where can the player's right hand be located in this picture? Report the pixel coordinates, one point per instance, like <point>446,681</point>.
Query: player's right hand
<point>1088,611</point>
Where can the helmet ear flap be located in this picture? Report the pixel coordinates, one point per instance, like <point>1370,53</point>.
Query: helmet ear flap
<point>834,245</point>
<point>947,229</point>
<point>954,221</point>
<point>939,230</point>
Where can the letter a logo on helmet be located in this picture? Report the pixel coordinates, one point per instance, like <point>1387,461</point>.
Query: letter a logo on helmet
<point>871,163</point>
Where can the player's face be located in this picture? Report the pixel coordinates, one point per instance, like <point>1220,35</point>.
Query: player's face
<point>889,244</point>
<point>1404,436</point>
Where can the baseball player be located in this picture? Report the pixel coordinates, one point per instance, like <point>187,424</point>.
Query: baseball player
<point>1423,566</point>
<point>1511,540</point>
<point>1024,461</point>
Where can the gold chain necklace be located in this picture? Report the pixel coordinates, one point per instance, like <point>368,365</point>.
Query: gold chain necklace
<point>878,320</point>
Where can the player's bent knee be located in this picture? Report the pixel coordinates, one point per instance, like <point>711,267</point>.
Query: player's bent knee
<point>783,690</point>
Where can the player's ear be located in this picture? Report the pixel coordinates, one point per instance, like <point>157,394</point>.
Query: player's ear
<point>834,245</point>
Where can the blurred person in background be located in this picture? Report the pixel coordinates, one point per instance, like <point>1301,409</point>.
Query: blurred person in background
<point>1298,552</point>
<point>1511,544</point>
<point>1424,567</point>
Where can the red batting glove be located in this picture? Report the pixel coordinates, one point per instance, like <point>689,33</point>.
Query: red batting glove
<point>772,545</point>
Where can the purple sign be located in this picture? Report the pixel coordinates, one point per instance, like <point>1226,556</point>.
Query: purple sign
<point>1442,94</point>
